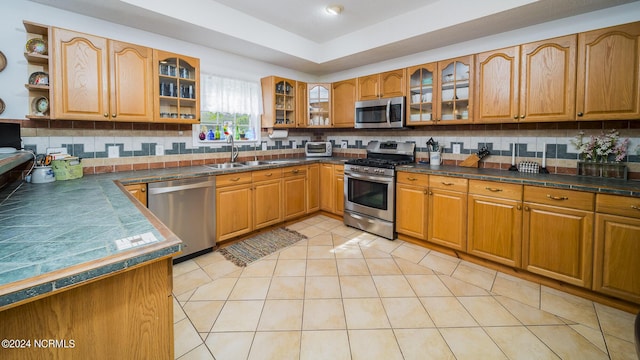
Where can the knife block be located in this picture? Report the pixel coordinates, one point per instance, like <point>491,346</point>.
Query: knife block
<point>471,161</point>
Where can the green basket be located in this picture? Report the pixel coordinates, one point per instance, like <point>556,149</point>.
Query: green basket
<point>67,169</point>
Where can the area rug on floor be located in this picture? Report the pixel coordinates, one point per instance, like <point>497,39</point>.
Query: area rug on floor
<point>246,251</point>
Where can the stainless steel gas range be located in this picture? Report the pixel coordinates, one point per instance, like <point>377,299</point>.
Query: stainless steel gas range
<point>369,187</point>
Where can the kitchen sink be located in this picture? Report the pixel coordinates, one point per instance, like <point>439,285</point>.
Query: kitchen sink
<point>225,165</point>
<point>257,162</point>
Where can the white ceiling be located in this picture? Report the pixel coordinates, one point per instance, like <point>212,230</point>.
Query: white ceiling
<point>300,35</point>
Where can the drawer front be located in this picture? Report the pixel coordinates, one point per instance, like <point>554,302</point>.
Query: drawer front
<point>448,183</point>
<point>618,205</point>
<point>269,174</point>
<point>338,169</point>
<point>496,189</point>
<point>233,179</point>
<point>294,171</point>
<point>560,197</point>
<point>412,179</point>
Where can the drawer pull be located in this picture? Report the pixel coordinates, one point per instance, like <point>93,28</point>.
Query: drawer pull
<point>269,174</point>
<point>295,171</point>
<point>235,179</point>
<point>635,207</point>
<point>493,189</point>
<point>557,197</point>
<point>447,183</point>
<point>411,178</point>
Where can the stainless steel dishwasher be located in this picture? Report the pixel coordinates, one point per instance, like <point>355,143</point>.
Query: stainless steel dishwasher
<point>188,208</point>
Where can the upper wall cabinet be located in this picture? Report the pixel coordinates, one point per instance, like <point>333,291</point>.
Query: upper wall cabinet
<point>454,80</point>
<point>100,79</point>
<point>608,85</point>
<point>531,82</point>
<point>177,80</point>
<point>420,95</point>
<point>343,100</point>
<point>301,103</point>
<point>319,105</point>
<point>279,102</point>
<point>386,84</point>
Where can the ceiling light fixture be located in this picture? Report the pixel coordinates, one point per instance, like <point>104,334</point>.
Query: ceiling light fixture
<point>335,9</point>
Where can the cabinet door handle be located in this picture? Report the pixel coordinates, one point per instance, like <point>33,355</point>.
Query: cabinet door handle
<point>430,192</point>
<point>426,192</point>
<point>235,179</point>
<point>635,207</point>
<point>515,117</point>
<point>113,115</point>
<point>143,190</point>
<point>526,208</point>
<point>580,114</point>
<point>522,116</point>
<point>105,114</point>
<point>560,198</point>
<point>447,183</point>
<point>519,207</point>
<point>493,189</point>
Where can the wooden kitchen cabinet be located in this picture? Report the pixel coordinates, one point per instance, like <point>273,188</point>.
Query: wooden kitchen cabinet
<point>313,188</point>
<point>608,73</point>
<point>139,191</point>
<point>412,200</point>
<point>616,270</point>
<point>302,117</point>
<point>495,222</point>
<point>38,62</point>
<point>177,83</point>
<point>421,96</point>
<point>294,180</point>
<point>318,105</point>
<point>267,197</point>
<point>447,214</point>
<point>558,234</point>
<point>383,85</point>
<point>530,82</point>
<point>279,102</point>
<point>343,100</point>
<point>455,90</point>
<point>234,210</point>
<point>332,188</point>
<point>100,79</point>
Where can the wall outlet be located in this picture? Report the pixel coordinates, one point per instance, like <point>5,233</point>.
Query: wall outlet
<point>159,150</point>
<point>455,148</point>
<point>113,151</point>
<point>343,145</point>
<point>294,144</point>
<point>264,146</point>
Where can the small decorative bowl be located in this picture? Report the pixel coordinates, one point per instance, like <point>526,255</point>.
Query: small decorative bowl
<point>39,78</point>
<point>41,105</point>
<point>36,46</point>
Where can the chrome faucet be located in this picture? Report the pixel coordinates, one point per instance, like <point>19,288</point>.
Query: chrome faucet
<point>234,148</point>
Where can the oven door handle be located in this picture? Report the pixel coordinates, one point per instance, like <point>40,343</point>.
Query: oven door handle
<point>389,113</point>
<point>378,179</point>
<point>358,217</point>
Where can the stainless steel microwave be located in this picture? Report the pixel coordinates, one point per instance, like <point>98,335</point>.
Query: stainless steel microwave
<point>381,113</point>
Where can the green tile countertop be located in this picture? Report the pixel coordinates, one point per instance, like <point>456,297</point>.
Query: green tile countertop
<point>10,161</point>
<point>584,183</point>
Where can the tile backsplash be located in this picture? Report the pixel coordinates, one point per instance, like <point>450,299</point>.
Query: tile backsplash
<point>144,146</point>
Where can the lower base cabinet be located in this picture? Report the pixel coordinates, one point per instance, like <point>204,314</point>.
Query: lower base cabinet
<point>338,171</point>
<point>558,234</point>
<point>617,246</point>
<point>128,315</point>
<point>294,181</point>
<point>234,210</point>
<point>313,188</point>
<point>495,222</point>
<point>412,199</point>
<point>267,197</point>
<point>332,188</point>
<point>447,225</point>
<point>139,191</point>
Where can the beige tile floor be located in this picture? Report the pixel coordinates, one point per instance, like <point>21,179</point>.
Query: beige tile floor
<point>346,294</point>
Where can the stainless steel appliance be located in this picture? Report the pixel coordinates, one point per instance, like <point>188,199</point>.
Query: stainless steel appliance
<point>318,148</point>
<point>188,208</point>
<point>369,187</point>
<point>381,113</point>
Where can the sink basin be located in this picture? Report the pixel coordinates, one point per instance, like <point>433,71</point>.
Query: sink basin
<point>256,162</point>
<point>282,161</point>
<point>225,165</point>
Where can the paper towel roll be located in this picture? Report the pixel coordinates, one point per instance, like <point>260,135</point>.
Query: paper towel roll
<point>279,134</point>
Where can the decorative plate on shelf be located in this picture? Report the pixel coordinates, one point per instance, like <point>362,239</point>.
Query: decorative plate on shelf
<point>39,78</point>
<point>2,107</point>
<point>40,105</point>
<point>36,46</point>
<point>3,61</point>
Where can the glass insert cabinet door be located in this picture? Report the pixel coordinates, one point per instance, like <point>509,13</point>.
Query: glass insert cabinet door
<point>421,95</point>
<point>285,103</point>
<point>455,90</point>
<point>319,104</point>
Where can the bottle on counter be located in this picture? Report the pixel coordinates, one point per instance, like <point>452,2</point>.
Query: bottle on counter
<point>236,133</point>
<point>217,134</point>
<point>210,135</point>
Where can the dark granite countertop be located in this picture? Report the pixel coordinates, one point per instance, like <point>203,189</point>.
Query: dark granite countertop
<point>63,233</point>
